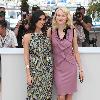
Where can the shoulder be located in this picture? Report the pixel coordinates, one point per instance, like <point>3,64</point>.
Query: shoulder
<point>73,28</point>
<point>27,37</point>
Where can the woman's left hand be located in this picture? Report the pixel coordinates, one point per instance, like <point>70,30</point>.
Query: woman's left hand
<point>81,75</point>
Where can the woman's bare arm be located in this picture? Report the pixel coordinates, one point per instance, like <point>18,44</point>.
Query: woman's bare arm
<point>75,49</point>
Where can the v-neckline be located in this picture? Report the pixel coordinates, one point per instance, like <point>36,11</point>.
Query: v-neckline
<point>64,37</point>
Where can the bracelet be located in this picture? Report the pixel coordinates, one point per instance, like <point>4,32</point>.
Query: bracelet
<point>27,66</point>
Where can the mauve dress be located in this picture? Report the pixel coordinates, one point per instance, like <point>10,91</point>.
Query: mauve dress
<point>65,65</point>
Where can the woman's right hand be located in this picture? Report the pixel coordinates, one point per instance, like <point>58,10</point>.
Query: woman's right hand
<point>29,80</point>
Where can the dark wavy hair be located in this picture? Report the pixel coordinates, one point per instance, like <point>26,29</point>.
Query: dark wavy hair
<point>35,18</point>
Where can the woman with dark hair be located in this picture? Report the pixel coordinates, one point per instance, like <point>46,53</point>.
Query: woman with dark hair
<point>38,60</point>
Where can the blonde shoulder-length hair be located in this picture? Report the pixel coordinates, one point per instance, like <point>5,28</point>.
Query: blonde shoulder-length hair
<point>69,21</point>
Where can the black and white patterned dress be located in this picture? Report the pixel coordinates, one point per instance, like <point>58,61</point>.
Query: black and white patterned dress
<point>40,68</point>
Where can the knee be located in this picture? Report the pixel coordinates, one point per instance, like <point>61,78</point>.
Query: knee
<point>61,98</point>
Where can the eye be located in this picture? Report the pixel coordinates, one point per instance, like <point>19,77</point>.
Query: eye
<point>63,15</point>
<point>39,18</point>
<point>42,19</point>
<point>58,15</point>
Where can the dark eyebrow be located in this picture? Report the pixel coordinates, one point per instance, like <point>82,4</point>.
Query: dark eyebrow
<point>41,18</point>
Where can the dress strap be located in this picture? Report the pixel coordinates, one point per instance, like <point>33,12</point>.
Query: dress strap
<point>73,31</point>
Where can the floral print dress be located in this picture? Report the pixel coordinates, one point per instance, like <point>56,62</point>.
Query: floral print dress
<point>40,68</point>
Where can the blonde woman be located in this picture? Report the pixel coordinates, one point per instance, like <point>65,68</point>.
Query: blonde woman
<point>65,53</point>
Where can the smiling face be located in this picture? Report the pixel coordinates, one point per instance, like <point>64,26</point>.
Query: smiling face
<point>61,17</point>
<point>40,22</point>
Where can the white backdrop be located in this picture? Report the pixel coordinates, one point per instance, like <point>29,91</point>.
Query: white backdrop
<point>14,79</point>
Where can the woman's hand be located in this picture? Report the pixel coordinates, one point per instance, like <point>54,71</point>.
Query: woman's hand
<point>81,75</point>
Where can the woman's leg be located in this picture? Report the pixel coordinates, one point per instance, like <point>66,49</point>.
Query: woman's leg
<point>68,97</point>
<point>61,98</point>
